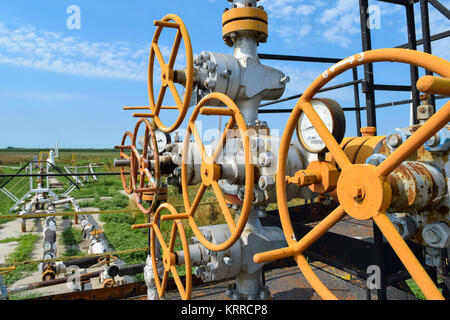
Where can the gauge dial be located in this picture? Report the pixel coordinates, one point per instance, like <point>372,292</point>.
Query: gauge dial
<point>332,116</point>
<point>162,140</point>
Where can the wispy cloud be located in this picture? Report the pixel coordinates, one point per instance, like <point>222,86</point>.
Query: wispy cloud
<point>335,22</point>
<point>26,46</point>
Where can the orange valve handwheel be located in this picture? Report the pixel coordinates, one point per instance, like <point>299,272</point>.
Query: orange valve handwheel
<point>127,186</point>
<point>7,270</point>
<point>148,170</point>
<point>108,259</point>
<point>211,170</point>
<point>97,232</point>
<point>168,74</point>
<point>169,256</point>
<point>363,190</point>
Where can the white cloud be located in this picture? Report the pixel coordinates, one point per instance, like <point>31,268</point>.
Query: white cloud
<point>26,46</point>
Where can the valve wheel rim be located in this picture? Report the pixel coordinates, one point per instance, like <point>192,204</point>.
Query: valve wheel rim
<point>177,229</point>
<point>144,165</point>
<point>7,270</point>
<point>235,229</point>
<point>167,68</point>
<point>434,124</point>
<point>127,187</point>
<point>108,259</point>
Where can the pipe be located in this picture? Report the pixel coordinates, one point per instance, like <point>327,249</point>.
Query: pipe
<point>123,271</point>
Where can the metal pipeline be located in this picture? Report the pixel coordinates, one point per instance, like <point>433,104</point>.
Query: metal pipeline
<point>127,270</point>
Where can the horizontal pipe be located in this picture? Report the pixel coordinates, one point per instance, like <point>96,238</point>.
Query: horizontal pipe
<point>216,112</point>
<point>338,86</point>
<point>383,105</point>
<point>60,174</point>
<point>282,57</point>
<point>143,115</point>
<point>437,36</point>
<point>123,271</point>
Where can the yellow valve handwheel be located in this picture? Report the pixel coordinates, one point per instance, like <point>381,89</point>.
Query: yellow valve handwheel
<point>97,232</point>
<point>7,270</point>
<point>108,259</point>
<point>169,257</point>
<point>127,186</point>
<point>167,72</point>
<point>211,171</point>
<point>147,170</point>
<point>363,190</point>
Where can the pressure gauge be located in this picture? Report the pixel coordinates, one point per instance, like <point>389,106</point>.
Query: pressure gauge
<point>332,116</point>
<point>162,140</point>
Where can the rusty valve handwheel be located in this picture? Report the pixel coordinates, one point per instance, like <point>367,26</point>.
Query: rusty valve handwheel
<point>169,257</point>
<point>167,72</point>
<point>7,270</point>
<point>363,190</point>
<point>108,259</point>
<point>147,169</point>
<point>211,170</point>
<point>127,186</point>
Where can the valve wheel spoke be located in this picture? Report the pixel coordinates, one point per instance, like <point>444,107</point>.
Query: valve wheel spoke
<point>173,237</point>
<point>408,259</point>
<point>223,140</point>
<point>175,94</point>
<point>223,205</point>
<point>197,139</point>
<point>175,49</point>
<point>159,56</point>
<point>418,138</point>
<point>197,199</point>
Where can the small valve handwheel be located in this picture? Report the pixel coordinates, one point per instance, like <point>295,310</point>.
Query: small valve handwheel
<point>169,256</point>
<point>127,186</point>
<point>362,189</point>
<point>97,232</point>
<point>7,270</point>
<point>149,174</point>
<point>168,74</point>
<point>108,259</point>
<point>108,283</point>
<point>211,170</point>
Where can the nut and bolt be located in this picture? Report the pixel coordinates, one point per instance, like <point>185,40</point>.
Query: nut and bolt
<point>226,73</point>
<point>228,261</point>
<point>266,182</point>
<point>433,141</point>
<point>210,66</point>
<point>285,80</point>
<point>241,194</point>
<point>394,140</point>
<point>358,193</point>
<point>432,236</point>
<point>265,159</point>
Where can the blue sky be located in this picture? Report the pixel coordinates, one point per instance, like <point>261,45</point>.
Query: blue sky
<point>71,85</point>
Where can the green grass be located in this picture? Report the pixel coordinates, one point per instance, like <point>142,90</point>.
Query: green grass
<point>25,296</point>
<point>20,254</point>
<point>71,237</point>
